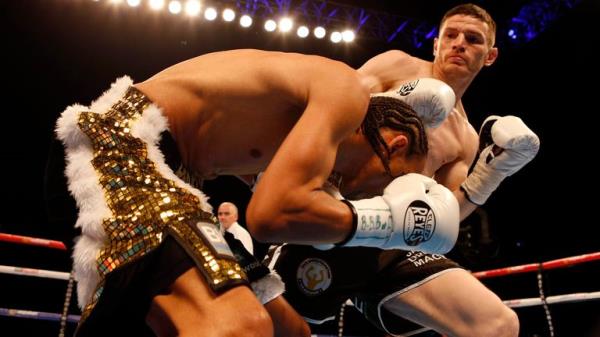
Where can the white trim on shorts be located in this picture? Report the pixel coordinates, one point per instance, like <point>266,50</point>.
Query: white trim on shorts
<point>399,292</point>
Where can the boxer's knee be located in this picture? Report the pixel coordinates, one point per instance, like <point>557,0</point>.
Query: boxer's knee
<point>508,325</point>
<point>504,324</point>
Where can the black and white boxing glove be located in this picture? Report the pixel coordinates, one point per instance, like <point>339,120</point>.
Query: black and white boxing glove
<point>431,99</point>
<point>506,144</point>
<point>414,213</point>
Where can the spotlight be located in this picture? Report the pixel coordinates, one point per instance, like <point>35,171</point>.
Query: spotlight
<point>285,25</point>
<point>348,35</point>
<point>157,4</point>
<point>246,21</point>
<point>192,7</point>
<point>270,25</point>
<point>228,15</point>
<point>335,37</point>
<point>210,14</point>
<point>175,7</point>
<point>319,32</point>
<point>302,31</point>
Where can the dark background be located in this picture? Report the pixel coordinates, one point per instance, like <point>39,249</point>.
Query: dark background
<point>58,52</point>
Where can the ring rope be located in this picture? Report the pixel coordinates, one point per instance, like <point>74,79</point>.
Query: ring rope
<point>34,272</point>
<point>526,268</point>
<point>515,303</point>
<point>38,315</point>
<point>567,298</point>
<point>28,240</point>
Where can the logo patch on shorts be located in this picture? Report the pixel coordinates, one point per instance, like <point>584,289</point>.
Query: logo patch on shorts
<point>407,88</point>
<point>313,276</point>
<point>419,223</point>
<point>419,259</point>
<point>215,239</point>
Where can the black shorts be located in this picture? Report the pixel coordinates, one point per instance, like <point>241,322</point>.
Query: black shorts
<point>129,290</point>
<point>319,282</point>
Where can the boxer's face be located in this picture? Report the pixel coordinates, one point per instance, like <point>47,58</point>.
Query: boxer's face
<point>465,44</point>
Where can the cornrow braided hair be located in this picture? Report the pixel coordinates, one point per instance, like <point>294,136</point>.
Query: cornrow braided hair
<point>393,113</point>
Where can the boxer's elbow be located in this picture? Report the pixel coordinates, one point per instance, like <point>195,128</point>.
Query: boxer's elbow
<point>264,224</point>
<point>274,223</point>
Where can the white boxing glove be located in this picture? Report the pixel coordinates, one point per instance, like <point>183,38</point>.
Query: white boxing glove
<point>431,99</point>
<point>414,213</point>
<point>507,145</point>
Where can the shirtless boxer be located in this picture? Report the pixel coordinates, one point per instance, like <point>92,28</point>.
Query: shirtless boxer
<point>427,289</point>
<point>150,253</point>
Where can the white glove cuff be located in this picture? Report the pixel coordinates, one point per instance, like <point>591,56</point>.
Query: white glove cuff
<point>373,223</point>
<point>480,184</point>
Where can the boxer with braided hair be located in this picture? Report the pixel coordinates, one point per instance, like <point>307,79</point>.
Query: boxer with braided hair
<point>151,257</point>
<point>388,112</point>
